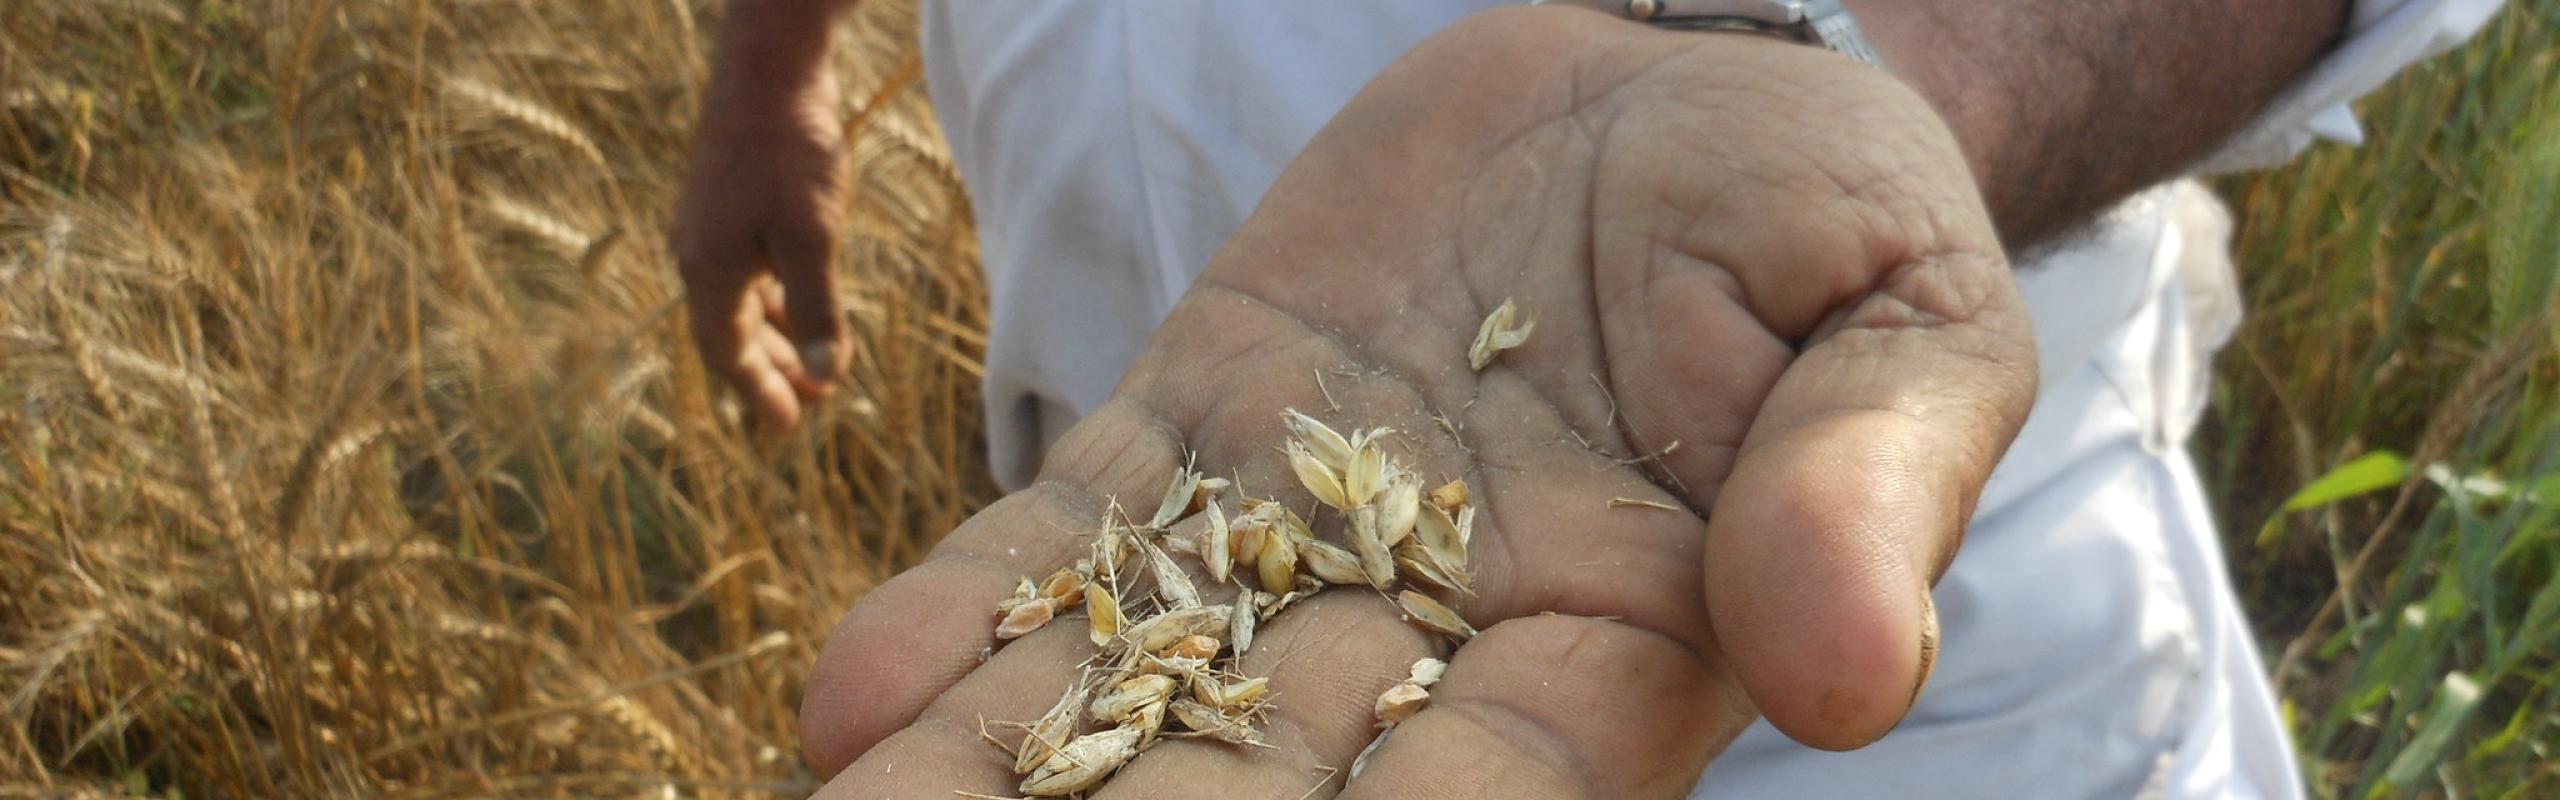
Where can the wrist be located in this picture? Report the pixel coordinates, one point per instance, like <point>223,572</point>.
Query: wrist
<point>1977,109</point>
<point>772,54</point>
<point>1906,36</point>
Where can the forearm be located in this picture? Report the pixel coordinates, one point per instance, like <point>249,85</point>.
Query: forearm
<point>2065,106</point>
<point>774,50</point>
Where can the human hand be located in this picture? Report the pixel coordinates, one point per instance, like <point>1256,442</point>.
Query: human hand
<point>754,239</point>
<point>1770,255</point>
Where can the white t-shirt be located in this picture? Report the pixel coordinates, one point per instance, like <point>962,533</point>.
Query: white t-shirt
<point>1111,147</point>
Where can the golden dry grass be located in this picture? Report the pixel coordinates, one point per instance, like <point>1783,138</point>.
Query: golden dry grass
<point>350,443</point>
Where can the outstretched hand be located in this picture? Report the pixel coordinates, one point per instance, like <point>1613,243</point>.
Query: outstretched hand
<point>1771,311</point>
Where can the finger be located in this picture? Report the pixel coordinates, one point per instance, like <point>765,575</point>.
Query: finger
<point>803,258</point>
<point>786,362</point>
<point>761,379</point>
<point>1557,707</point>
<point>907,641</point>
<point>769,292</point>
<point>1852,490</point>
<point>942,752</point>
<point>1328,658</point>
<point>913,637</point>
<point>726,310</point>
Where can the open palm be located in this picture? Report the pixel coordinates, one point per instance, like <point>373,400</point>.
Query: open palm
<point>1777,353</point>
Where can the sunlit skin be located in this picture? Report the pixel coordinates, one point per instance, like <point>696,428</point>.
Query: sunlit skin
<point>1837,351</point>
<point>1768,286</point>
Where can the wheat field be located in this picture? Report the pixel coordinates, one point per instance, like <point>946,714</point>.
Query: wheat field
<point>351,443</point>
<point>350,440</point>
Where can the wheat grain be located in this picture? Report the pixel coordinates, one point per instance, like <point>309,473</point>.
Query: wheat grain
<point>1504,329</point>
<point>1082,764</point>
<point>1048,734</point>
<point>1426,671</point>
<point>1103,611</point>
<point>1320,478</point>
<point>1169,656</point>
<point>1124,700</point>
<point>1399,702</point>
<point>1214,549</point>
<point>1433,616</point>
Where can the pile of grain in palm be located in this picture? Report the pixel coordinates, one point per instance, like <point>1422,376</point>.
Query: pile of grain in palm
<point>1169,664</point>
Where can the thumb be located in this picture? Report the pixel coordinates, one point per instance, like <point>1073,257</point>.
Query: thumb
<point>1853,488</point>
<point>803,257</point>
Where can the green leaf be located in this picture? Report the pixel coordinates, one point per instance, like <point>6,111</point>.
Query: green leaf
<point>2546,490</point>
<point>2453,703</point>
<point>2371,473</point>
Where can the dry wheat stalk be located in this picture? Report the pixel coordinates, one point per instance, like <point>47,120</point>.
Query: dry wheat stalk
<point>527,112</point>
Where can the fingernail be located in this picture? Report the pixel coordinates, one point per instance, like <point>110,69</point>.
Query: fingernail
<point>818,359</point>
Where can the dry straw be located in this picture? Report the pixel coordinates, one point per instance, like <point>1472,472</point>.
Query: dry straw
<point>351,443</point>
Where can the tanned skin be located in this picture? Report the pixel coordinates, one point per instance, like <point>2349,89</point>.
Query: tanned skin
<point>1789,262</point>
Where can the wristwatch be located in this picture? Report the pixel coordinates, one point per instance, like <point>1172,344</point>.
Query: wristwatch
<point>1816,22</point>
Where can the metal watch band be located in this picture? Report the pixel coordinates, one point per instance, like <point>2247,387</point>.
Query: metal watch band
<point>1834,27</point>
<point>1819,22</point>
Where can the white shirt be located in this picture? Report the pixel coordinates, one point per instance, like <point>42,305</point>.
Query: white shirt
<point>2092,643</point>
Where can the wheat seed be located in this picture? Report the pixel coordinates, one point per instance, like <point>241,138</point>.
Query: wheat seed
<point>1167,654</point>
<point>1438,533</point>
<point>1196,645</point>
<point>1278,564</point>
<point>1427,671</point>
<point>1051,731</point>
<point>1433,616</point>
<point>1399,702</point>
<point>1177,499</point>
<point>1124,700</point>
<point>1230,696</point>
<point>1399,507</point>
<point>1083,763</point>
<point>1331,563</point>
<point>1366,476</point>
<point>1103,610</point>
<point>1320,479</point>
<point>1171,581</point>
<point>1419,564</point>
<point>1327,445</point>
<point>1240,621</point>
<point>1027,617</point>
<point>1065,587</point>
<point>1213,549</point>
<point>1377,562</point>
<point>1450,495</point>
<point>1245,536</point>
<point>1161,630</point>
<point>1503,329</point>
